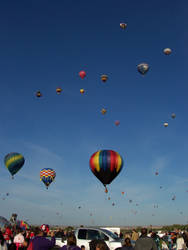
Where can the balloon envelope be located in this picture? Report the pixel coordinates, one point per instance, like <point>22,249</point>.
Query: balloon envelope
<point>173,115</point>
<point>22,224</point>
<point>123,25</point>
<point>167,51</point>
<point>3,222</point>
<point>47,175</point>
<point>38,94</point>
<point>82,74</point>
<point>104,78</point>
<point>106,165</point>
<point>14,162</point>
<point>143,68</point>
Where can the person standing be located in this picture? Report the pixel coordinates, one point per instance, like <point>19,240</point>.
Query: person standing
<point>145,242</point>
<point>71,243</point>
<point>3,244</point>
<point>40,242</point>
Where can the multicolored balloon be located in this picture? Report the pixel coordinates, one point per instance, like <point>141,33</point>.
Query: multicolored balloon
<point>104,78</point>
<point>47,175</point>
<point>38,94</point>
<point>123,25</point>
<point>167,51</point>
<point>14,162</point>
<point>22,224</point>
<point>58,90</point>
<point>103,111</point>
<point>82,91</point>
<point>143,68</point>
<point>106,165</point>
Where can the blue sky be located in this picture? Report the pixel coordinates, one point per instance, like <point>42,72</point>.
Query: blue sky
<point>44,45</point>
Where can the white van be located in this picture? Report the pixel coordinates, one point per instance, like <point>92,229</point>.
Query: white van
<point>85,235</point>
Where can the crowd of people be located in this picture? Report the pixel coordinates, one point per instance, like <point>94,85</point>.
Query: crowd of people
<point>39,239</point>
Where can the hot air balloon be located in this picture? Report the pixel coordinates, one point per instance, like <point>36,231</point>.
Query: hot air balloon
<point>104,78</point>
<point>167,51</point>
<point>103,111</point>
<point>82,74</point>
<point>108,198</point>
<point>38,94</point>
<point>22,224</point>
<point>156,173</point>
<point>79,207</point>
<point>117,123</point>
<point>113,204</point>
<point>58,90</point>
<point>123,25</point>
<point>143,68</point>
<point>14,162</point>
<point>122,193</point>
<point>106,165</point>
<point>173,198</point>
<point>47,175</point>
<point>173,115</point>
<point>82,91</point>
<point>165,124</point>
<point>4,222</point>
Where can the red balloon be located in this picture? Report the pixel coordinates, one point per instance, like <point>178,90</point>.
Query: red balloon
<point>82,74</point>
<point>117,123</point>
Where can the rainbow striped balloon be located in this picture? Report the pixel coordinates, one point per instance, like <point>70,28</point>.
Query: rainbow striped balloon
<point>106,165</point>
<point>14,162</point>
<point>47,175</point>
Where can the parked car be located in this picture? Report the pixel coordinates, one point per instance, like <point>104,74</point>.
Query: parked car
<point>85,235</point>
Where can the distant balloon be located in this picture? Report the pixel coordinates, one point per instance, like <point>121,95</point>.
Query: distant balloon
<point>156,173</point>
<point>4,222</point>
<point>82,91</point>
<point>79,207</point>
<point>113,204</point>
<point>104,78</point>
<point>108,198</point>
<point>82,74</point>
<point>160,187</point>
<point>58,90</point>
<point>22,224</point>
<point>7,194</point>
<point>174,197</point>
<point>143,68</point>
<point>14,162</point>
<point>103,111</point>
<point>47,176</point>
<point>130,201</point>
<point>122,193</point>
<point>117,123</point>
<point>165,124</point>
<point>167,51</point>
<point>123,25</point>
<point>38,94</point>
<point>173,115</point>
<point>106,165</point>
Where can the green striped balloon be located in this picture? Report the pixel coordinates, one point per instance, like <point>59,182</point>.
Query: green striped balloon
<point>14,162</point>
